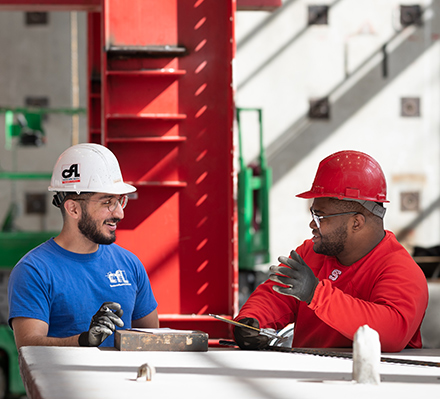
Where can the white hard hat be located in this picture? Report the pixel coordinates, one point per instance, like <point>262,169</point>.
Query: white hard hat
<point>88,168</point>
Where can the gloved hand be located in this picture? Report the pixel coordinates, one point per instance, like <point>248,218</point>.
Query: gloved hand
<point>246,338</point>
<point>102,324</point>
<point>297,276</point>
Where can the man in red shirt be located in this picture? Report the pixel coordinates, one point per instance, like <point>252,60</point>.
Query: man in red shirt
<point>351,273</point>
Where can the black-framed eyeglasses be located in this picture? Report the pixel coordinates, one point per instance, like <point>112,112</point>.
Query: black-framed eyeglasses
<point>317,218</point>
<point>111,202</point>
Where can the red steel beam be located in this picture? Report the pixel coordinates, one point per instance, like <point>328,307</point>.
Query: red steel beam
<point>95,5</point>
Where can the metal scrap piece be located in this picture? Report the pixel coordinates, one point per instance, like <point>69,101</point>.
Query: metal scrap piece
<point>145,372</point>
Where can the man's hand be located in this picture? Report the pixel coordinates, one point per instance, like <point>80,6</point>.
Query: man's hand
<point>247,338</point>
<point>299,278</point>
<point>102,325</point>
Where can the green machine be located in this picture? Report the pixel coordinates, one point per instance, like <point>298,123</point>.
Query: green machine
<point>24,124</point>
<point>13,245</point>
<point>23,127</point>
<point>254,182</point>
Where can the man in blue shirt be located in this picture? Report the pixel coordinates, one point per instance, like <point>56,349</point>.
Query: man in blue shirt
<point>55,289</point>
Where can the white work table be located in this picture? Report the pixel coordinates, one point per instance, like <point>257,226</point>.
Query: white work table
<point>57,372</point>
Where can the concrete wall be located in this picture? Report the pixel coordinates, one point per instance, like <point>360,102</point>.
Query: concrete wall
<point>282,63</point>
<point>36,62</point>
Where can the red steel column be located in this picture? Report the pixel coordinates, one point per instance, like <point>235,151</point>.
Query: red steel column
<point>167,114</point>
<point>94,76</point>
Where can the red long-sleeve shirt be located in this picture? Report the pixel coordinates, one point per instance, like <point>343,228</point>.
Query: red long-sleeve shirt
<point>385,289</point>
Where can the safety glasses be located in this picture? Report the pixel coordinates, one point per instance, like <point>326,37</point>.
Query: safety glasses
<point>317,218</point>
<point>111,202</point>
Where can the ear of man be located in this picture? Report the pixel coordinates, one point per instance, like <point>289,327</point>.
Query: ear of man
<point>72,208</point>
<point>359,221</point>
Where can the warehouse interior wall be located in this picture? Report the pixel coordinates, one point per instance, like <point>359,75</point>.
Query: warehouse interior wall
<point>36,69</point>
<point>363,62</point>
<point>379,83</point>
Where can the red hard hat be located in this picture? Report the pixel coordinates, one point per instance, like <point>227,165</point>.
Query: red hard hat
<point>349,175</point>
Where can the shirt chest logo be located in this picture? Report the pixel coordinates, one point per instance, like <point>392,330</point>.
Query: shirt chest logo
<point>118,278</point>
<point>335,274</point>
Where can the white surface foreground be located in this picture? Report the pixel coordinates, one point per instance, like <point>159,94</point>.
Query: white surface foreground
<point>59,372</point>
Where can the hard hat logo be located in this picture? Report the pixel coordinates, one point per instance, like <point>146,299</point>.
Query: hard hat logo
<point>70,173</point>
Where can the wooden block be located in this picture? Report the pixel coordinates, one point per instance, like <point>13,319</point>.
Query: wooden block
<point>161,340</point>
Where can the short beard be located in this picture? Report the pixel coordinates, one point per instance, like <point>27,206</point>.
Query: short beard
<point>334,243</point>
<point>88,228</point>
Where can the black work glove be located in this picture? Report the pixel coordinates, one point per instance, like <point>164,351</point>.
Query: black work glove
<point>102,324</point>
<point>246,338</point>
<point>299,278</point>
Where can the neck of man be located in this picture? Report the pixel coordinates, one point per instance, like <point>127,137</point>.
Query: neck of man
<point>76,243</point>
<point>357,250</point>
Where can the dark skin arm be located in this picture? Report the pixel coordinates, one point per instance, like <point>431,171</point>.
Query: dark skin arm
<point>149,321</point>
<point>33,332</point>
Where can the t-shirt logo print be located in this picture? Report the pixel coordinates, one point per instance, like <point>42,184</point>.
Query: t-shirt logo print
<point>335,274</point>
<point>118,278</point>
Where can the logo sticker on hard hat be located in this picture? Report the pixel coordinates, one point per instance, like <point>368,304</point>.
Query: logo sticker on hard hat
<point>70,173</point>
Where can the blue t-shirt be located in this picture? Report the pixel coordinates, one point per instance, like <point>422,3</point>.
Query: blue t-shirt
<point>65,289</point>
